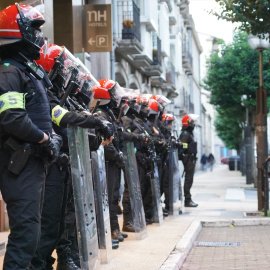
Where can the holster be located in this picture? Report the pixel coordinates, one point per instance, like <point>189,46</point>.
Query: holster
<point>19,155</point>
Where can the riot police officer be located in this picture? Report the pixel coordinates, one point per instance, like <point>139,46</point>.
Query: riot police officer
<point>109,94</point>
<point>189,158</point>
<point>26,130</point>
<point>65,78</point>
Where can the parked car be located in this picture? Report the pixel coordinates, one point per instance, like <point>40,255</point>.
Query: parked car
<point>224,160</point>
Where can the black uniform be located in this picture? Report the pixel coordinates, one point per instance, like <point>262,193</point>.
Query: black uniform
<point>145,166</point>
<point>23,193</point>
<point>127,135</point>
<point>164,167</point>
<point>189,159</point>
<point>58,192</point>
<point>114,162</point>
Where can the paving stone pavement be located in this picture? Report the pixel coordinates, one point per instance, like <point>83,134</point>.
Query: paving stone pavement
<point>252,253</point>
<point>221,195</point>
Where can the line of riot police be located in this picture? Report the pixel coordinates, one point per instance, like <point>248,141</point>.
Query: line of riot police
<point>66,141</point>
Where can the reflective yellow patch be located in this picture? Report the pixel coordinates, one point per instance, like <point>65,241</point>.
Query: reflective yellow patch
<point>57,114</point>
<point>185,145</point>
<point>12,100</point>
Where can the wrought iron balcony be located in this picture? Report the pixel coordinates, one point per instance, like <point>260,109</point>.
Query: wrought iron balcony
<point>187,59</point>
<point>170,74</point>
<point>155,69</point>
<point>170,81</point>
<point>184,102</point>
<point>128,24</point>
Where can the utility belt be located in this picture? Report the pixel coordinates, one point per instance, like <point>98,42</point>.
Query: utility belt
<point>19,153</point>
<point>191,156</point>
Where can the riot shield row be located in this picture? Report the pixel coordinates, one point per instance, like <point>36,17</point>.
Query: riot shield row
<point>91,196</point>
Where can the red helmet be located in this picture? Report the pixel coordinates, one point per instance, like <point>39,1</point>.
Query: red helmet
<point>107,84</point>
<point>21,22</point>
<point>101,94</point>
<point>167,117</point>
<point>109,91</point>
<point>161,99</point>
<point>47,59</point>
<point>189,119</point>
<point>153,105</point>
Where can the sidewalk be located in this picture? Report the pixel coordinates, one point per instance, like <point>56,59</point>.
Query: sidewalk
<point>221,194</point>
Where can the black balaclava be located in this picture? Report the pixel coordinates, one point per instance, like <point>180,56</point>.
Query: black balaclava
<point>29,50</point>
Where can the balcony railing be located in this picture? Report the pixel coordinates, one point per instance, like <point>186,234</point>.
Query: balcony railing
<point>184,102</point>
<point>187,59</point>
<point>170,74</point>
<point>128,14</point>
<point>156,50</point>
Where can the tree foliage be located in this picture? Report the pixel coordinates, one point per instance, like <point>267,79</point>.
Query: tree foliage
<point>253,16</point>
<point>231,74</point>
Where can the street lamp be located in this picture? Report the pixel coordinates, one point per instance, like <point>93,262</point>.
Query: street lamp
<point>260,44</point>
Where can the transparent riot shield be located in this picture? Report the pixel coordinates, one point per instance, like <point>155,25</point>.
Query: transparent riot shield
<point>83,198</point>
<point>174,181</point>
<point>155,188</point>
<point>101,204</point>
<point>134,188</point>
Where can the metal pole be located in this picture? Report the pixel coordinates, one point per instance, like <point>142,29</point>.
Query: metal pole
<point>261,133</point>
<point>112,54</point>
<point>235,165</point>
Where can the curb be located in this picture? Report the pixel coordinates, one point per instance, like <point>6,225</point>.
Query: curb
<point>182,248</point>
<point>176,258</point>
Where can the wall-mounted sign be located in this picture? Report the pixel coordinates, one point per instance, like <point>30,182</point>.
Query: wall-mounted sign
<point>98,28</point>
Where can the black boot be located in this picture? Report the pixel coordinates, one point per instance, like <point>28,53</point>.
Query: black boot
<point>190,203</point>
<point>128,227</point>
<point>117,235</point>
<point>75,256</point>
<point>165,212</point>
<point>115,241</point>
<point>115,245</point>
<point>64,262</point>
<point>124,235</point>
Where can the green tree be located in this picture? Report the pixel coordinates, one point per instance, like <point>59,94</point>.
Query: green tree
<point>232,73</point>
<point>252,16</point>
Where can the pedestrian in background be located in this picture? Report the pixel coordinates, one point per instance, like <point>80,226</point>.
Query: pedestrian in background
<point>211,161</point>
<point>203,162</point>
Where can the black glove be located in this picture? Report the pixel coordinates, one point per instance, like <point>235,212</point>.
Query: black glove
<point>142,137</point>
<point>105,128</point>
<point>62,160</point>
<point>52,147</point>
<point>120,161</point>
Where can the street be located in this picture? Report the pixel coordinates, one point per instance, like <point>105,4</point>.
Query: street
<point>221,195</point>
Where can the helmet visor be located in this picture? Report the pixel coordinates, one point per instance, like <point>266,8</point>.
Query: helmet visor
<point>163,100</point>
<point>137,107</point>
<point>30,22</point>
<point>61,73</point>
<point>116,93</point>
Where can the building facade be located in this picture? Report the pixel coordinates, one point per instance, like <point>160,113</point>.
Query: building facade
<point>155,49</point>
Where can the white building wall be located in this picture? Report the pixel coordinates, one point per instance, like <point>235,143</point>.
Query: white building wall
<point>164,30</point>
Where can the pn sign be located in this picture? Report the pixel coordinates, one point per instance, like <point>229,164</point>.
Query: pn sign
<point>98,28</point>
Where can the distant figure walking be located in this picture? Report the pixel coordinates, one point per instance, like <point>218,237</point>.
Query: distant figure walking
<point>203,162</point>
<point>211,161</point>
